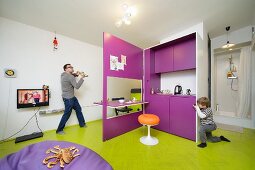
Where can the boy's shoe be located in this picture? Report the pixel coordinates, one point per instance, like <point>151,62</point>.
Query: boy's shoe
<point>202,145</point>
<point>224,139</point>
<point>61,132</point>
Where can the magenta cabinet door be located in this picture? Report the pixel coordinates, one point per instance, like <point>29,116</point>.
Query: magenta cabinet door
<point>183,116</point>
<point>159,105</point>
<point>185,55</point>
<point>164,60</point>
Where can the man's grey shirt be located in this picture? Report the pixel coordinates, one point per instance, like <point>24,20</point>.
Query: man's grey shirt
<point>68,83</point>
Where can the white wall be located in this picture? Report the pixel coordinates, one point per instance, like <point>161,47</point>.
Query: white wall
<point>202,63</point>
<point>253,21</point>
<point>29,50</point>
<point>238,36</point>
<point>226,98</point>
<point>170,80</point>
<point>253,85</point>
<point>199,28</point>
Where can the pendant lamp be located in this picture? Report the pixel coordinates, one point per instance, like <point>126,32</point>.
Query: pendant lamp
<point>228,44</point>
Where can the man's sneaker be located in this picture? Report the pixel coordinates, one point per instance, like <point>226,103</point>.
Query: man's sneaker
<point>61,132</point>
<point>83,126</point>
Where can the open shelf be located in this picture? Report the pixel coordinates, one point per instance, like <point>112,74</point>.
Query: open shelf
<point>232,77</point>
<point>116,104</point>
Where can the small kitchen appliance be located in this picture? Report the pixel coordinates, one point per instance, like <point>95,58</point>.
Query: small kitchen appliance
<point>177,89</point>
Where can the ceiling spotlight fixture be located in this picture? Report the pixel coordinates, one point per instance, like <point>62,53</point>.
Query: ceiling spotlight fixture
<point>228,44</point>
<point>128,13</point>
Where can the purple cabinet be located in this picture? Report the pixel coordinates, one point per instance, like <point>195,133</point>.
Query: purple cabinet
<point>176,113</point>
<point>159,105</point>
<point>183,116</point>
<point>185,55</point>
<point>164,60</point>
<point>176,57</point>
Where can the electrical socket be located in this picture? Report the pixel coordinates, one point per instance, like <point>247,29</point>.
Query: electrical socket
<point>60,110</point>
<point>42,112</point>
<point>51,111</point>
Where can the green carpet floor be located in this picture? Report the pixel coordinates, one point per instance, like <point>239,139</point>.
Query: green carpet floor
<point>127,153</point>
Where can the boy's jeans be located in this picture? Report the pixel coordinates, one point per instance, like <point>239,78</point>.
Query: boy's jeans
<point>205,132</point>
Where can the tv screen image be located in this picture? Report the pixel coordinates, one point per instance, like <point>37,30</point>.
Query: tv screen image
<point>32,98</point>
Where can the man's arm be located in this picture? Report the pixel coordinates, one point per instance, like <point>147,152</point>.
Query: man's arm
<point>75,84</point>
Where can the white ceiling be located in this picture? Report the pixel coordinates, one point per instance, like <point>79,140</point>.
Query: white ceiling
<point>85,20</point>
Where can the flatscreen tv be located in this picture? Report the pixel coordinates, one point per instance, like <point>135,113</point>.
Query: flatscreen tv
<point>32,98</point>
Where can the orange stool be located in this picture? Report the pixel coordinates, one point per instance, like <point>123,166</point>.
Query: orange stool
<point>149,120</point>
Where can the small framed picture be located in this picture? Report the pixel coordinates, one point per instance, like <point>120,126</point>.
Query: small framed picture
<point>10,73</point>
<point>124,59</point>
<point>114,63</point>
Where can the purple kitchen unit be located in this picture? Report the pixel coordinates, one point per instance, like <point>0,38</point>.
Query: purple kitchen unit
<point>176,113</point>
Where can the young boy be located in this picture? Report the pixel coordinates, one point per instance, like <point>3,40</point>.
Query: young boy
<point>207,125</point>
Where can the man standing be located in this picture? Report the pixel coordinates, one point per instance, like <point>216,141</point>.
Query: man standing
<point>68,83</point>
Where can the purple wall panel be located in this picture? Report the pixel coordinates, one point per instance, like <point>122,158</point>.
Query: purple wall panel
<point>117,47</point>
<point>119,125</point>
<point>147,54</point>
<point>152,80</point>
<point>134,70</point>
